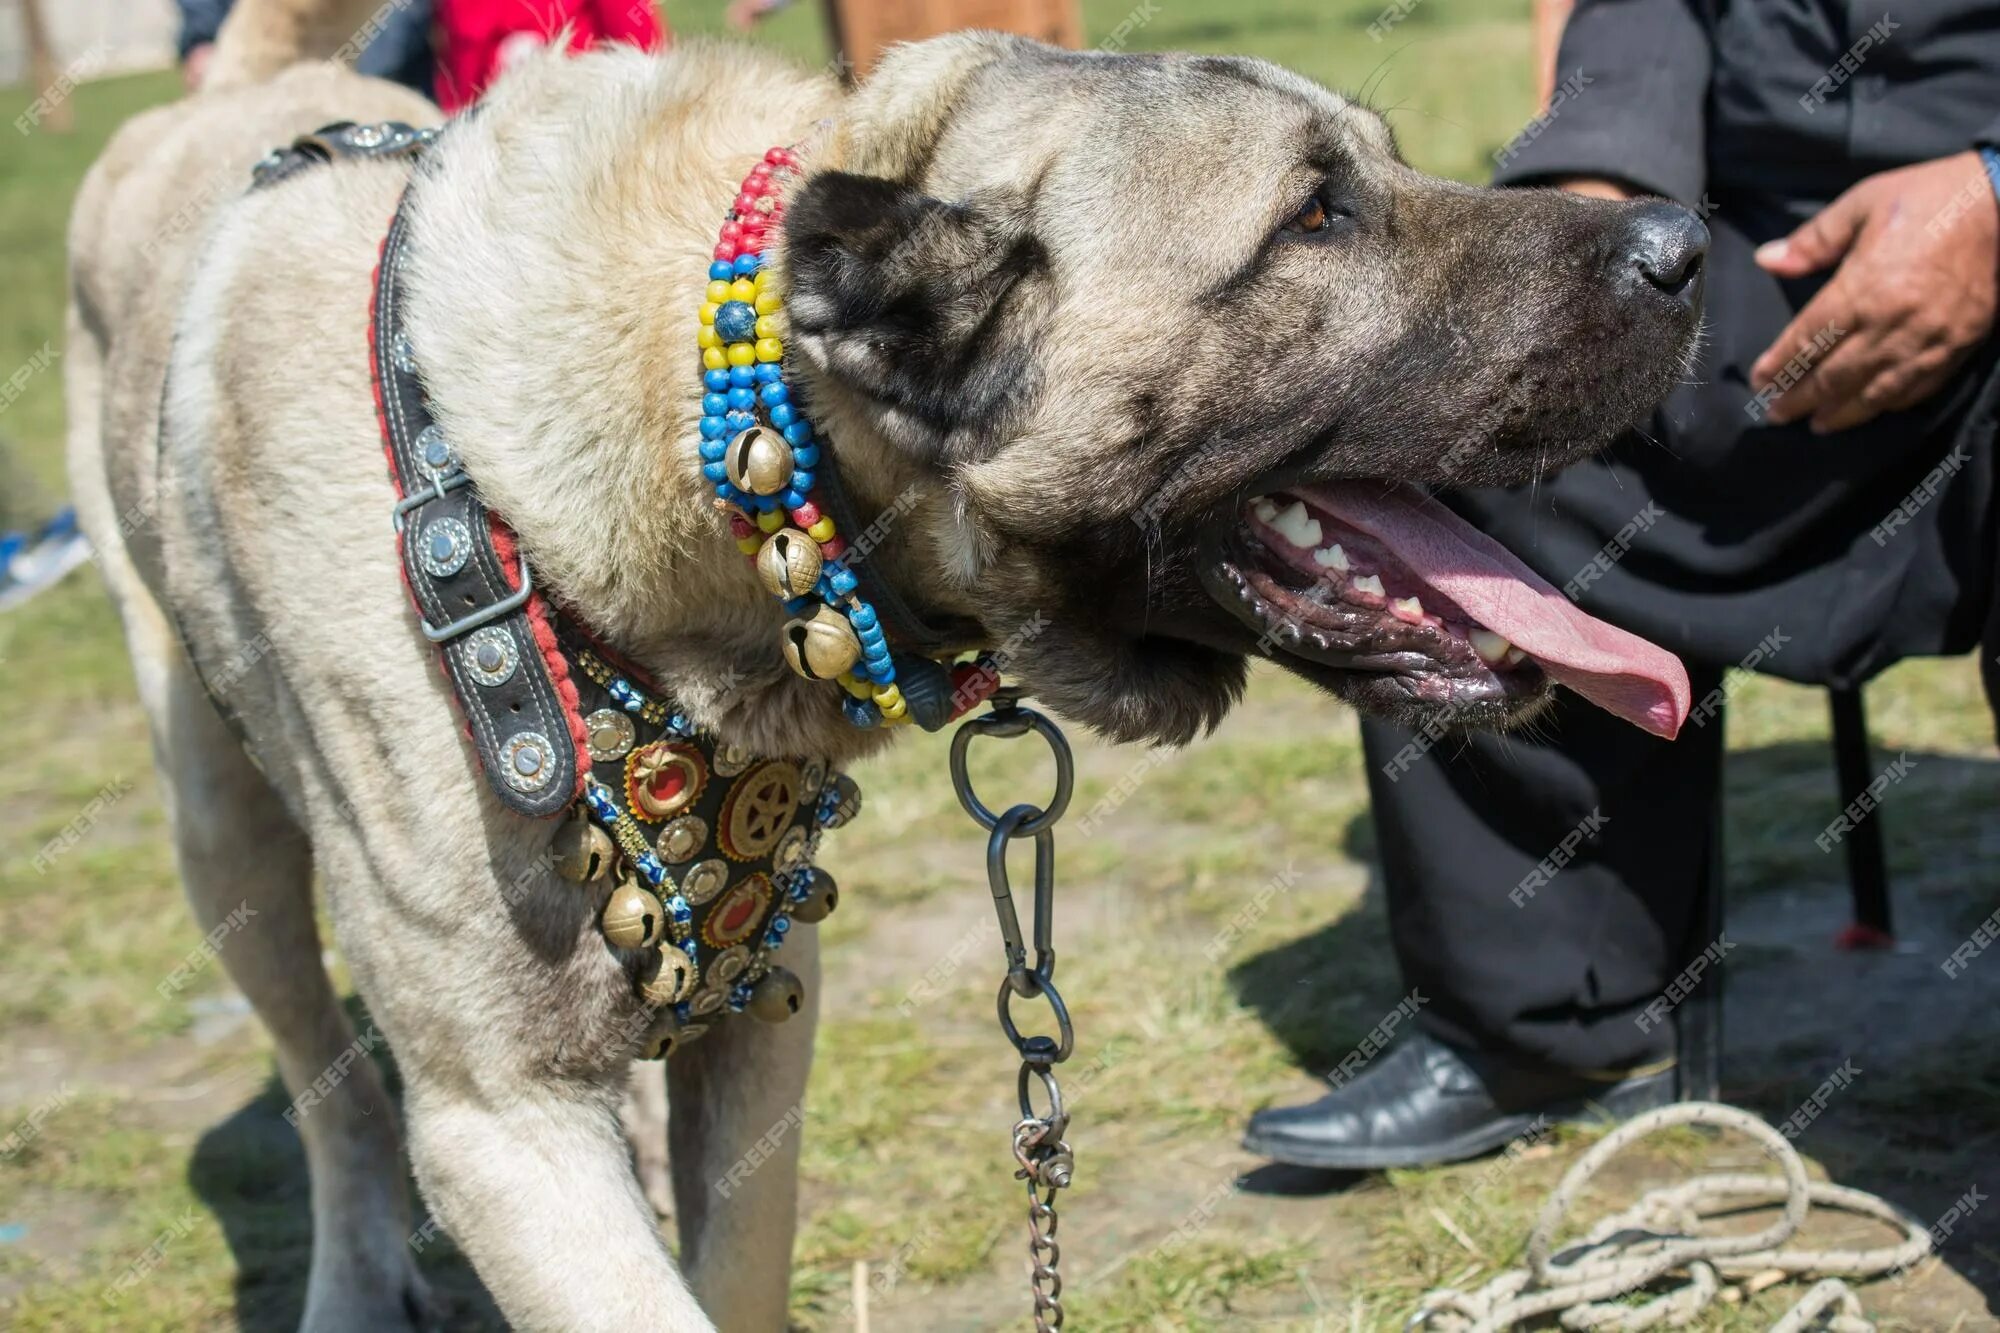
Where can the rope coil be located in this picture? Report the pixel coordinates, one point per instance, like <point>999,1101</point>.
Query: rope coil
<point>1660,1236</point>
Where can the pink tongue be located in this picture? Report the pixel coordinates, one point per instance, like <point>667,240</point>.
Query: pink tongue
<point>1619,672</point>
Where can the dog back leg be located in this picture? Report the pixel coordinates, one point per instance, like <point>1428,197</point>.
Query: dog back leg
<point>738,1111</point>
<point>247,873</point>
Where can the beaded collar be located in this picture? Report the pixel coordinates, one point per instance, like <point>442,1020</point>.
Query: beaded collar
<point>765,473</point>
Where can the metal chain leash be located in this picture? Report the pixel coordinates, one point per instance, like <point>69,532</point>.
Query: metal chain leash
<point>1042,1156</point>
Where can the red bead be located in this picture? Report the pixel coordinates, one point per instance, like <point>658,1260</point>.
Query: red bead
<point>731,230</point>
<point>761,169</point>
<point>833,547</point>
<point>806,514</point>
<point>971,683</point>
<point>746,203</point>
<point>726,251</point>
<point>741,527</point>
<point>779,157</point>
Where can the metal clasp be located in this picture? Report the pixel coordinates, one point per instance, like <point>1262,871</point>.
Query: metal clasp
<point>486,615</point>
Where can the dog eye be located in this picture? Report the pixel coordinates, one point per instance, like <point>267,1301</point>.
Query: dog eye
<point>1312,215</point>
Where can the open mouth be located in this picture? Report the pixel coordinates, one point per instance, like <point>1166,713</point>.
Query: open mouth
<point>1379,582</point>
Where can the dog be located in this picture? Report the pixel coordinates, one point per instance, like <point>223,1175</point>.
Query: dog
<point>1147,356</point>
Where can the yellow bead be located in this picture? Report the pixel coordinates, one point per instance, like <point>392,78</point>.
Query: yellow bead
<point>821,530</point>
<point>896,712</point>
<point>770,349</point>
<point>742,290</point>
<point>758,279</point>
<point>741,354</point>
<point>749,545</point>
<point>769,326</point>
<point>767,303</point>
<point>712,358</point>
<point>770,520</point>
<point>706,337</point>
<point>718,291</point>
<point>708,309</point>
<point>860,689</point>
<point>888,695</point>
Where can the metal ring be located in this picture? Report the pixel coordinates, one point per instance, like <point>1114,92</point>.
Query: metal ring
<point>1013,722</point>
<point>1065,1042</point>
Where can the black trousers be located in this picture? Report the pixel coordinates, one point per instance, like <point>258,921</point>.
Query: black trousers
<point>1546,886</point>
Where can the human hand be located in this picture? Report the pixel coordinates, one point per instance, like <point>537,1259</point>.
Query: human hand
<point>194,69</point>
<point>1919,256</point>
<point>1596,187</point>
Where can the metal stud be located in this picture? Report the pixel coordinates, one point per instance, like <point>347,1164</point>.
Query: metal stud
<point>447,545</point>
<point>404,354</point>
<point>822,896</point>
<point>758,461</point>
<point>729,965</point>
<point>820,644</point>
<point>435,453</point>
<point>633,918</point>
<point>582,851</point>
<point>704,880</point>
<point>366,137</point>
<point>491,656</point>
<point>608,732</point>
<point>777,995</point>
<point>683,838</point>
<point>789,563</point>
<point>528,762</point>
<point>791,851</point>
<point>671,981</point>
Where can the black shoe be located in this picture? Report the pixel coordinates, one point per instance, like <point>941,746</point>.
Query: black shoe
<point>1426,1104</point>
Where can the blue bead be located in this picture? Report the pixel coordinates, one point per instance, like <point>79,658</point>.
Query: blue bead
<point>800,477</point>
<point>727,492</point>
<point>678,907</point>
<point>769,372</point>
<point>713,428</point>
<point>682,1012</point>
<point>714,404</point>
<point>773,940</point>
<point>721,271</point>
<point>679,725</point>
<point>861,712</point>
<point>842,579</point>
<point>715,381</point>
<point>783,414</point>
<point>736,322</point>
<point>713,450</point>
<point>876,659</point>
<point>765,502</point>
<point>715,471</point>
<point>737,421</point>
<point>649,866</point>
<point>743,400</point>
<point>748,264</point>
<point>872,638</point>
<point>799,432</point>
<point>794,605</point>
<point>863,617</point>
<point>781,924</point>
<point>773,394</point>
<point>742,377</point>
<point>806,455</point>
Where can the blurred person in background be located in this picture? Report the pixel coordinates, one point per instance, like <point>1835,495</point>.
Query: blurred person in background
<point>1816,498</point>
<point>479,39</point>
<point>400,49</point>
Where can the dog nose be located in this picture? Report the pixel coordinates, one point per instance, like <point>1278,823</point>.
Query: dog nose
<point>1666,246</point>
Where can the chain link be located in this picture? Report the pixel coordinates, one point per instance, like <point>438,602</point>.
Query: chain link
<point>1042,1156</point>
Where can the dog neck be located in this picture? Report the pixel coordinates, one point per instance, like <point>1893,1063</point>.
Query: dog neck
<point>559,246</point>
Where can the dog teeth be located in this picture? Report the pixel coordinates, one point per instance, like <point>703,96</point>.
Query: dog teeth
<point>1296,526</point>
<point>1369,583</point>
<point>1515,657</point>
<point>1331,557</point>
<point>1264,508</point>
<point>1491,647</point>
<point>1407,609</point>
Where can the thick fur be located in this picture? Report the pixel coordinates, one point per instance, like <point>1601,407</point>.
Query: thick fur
<point>1043,305</point>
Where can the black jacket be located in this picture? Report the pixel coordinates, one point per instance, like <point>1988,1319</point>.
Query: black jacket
<point>1765,101</point>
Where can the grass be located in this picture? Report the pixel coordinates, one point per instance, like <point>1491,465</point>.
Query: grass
<point>1223,936</point>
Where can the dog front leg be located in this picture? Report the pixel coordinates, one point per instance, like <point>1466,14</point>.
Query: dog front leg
<point>538,1192</point>
<point>737,1098</point>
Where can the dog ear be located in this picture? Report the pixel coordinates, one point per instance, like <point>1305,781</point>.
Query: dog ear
<point>924,310</point>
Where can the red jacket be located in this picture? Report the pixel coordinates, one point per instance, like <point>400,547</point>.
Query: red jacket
<point>479,37</point>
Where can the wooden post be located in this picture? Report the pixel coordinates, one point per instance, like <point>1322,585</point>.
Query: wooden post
<point>42,71</point>
<point>862,28</point>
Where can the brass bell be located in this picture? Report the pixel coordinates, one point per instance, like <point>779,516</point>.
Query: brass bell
<point>777,995</point>
<point>820,644</point>
<point>846,801</point>
<point>667,1035</point>
<point>582,851</point>
<point>633,918</point>
<point>822,896</point>
<point>671,981</point>
<point>789,563</point>
<point>758,461</point>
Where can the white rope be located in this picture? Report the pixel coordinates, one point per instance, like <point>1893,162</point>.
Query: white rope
<point>1657,1245</point>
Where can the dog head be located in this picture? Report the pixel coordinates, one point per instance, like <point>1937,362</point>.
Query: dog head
<point>1167,343</point>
